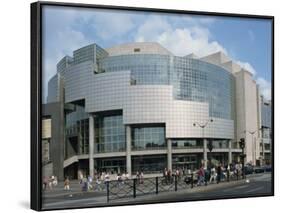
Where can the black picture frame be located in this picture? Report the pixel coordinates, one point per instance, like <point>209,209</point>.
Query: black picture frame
<point>36,93</point>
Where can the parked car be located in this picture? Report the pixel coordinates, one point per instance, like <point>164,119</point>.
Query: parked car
<point>249,169</point>
<point>267,168</point>
<point>259,169</point>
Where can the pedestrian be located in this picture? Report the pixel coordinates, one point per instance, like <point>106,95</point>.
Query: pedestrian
<point>219,173</point>
<point>66,184</point>
<point>84,184</point>
<point>98,184</point>
<point>141,178</point>
<point>201,176</point>
<point>138,177</point>
<point>50,182</point>
<point>213,174</point>
<point>89,182</point>
<point>45,182</point>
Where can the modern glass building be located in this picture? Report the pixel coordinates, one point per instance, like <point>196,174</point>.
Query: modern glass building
<point>137,107</point>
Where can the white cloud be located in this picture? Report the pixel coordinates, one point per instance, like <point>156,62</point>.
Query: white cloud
<point>180,41</point>
<point>247,66</point>
<point>265,87</point>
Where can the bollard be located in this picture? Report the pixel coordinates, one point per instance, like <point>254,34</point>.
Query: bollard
<point>156,184</point>
<point>134,188</point>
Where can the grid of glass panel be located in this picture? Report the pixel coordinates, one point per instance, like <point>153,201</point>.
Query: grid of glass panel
<point>109,134</point>
<point>77,126</point>
<point>145,69</point>
<point>266,115</point>
<point>144,138</point>
<point>185,161</point>
<point>111,165</point>
<point>195,80</point>
<point>192,79</point>
<point>149,164</point>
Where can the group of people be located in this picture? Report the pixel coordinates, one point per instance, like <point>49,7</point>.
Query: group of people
<point>218,173</point>
<point>49,182</point>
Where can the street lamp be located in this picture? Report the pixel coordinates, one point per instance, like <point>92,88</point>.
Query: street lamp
<point>242,146</point>
<point>202,126</point>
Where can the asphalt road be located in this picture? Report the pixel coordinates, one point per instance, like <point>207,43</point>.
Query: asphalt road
<point>257,184</point>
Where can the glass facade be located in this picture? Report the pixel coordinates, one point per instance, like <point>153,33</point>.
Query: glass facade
<point>192,79</point>
<point>220,144</point>
<point>149,164</point>
<point>109,134</point>
<point>186,161</point>
<point>145,69</point>
<point>144,138</point>
<point>187,143</point>
<point>196,80</point>
<point>266,115</point>
<point>77,132</point>
<point>111,165</point>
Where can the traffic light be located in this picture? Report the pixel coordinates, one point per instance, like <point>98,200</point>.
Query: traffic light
<point>242,143</point>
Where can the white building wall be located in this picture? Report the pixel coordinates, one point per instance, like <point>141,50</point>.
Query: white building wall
<point>247,114</point>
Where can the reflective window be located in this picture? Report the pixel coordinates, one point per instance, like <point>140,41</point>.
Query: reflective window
<point>111,165</point>
<point>187,143</point>
<point>149,164</point>
<point>144,138</point>
<point>220,144</point>
<point>109,134</point>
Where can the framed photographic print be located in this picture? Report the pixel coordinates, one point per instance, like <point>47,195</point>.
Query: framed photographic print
<point>139,105</point>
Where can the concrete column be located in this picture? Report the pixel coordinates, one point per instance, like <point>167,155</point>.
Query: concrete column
<point>169,154</point>
<point>128,150</point>
<point>229,152</point>
<point>91,144</point>
<point>205,141</point>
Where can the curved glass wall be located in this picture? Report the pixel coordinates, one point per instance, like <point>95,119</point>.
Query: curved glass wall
<point>145,69</point>
<point>192,79</point>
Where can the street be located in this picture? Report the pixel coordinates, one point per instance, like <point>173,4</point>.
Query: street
<point>256,184</point>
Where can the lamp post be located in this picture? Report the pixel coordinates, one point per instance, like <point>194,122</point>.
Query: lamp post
<point>242,146</point>
<point>202,126</point>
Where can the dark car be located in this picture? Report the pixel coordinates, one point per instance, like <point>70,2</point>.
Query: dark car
<point>267,168</point>
<point>259,169</point>
<point>249,169</point>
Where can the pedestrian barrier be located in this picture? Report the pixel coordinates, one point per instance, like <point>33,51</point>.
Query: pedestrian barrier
<point>131,188</point>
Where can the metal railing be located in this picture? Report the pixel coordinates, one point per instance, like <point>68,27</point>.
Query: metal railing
<point>132,188</point>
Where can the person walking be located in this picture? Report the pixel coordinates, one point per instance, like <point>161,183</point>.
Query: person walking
<point>213,174</point>
<point>201,176</point>
<point>89,182</point>
<point>66,184</point>
<point>45,182</point>
<point>219,173</point>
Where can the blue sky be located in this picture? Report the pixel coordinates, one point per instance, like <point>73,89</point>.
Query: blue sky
<point>246,41</point>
